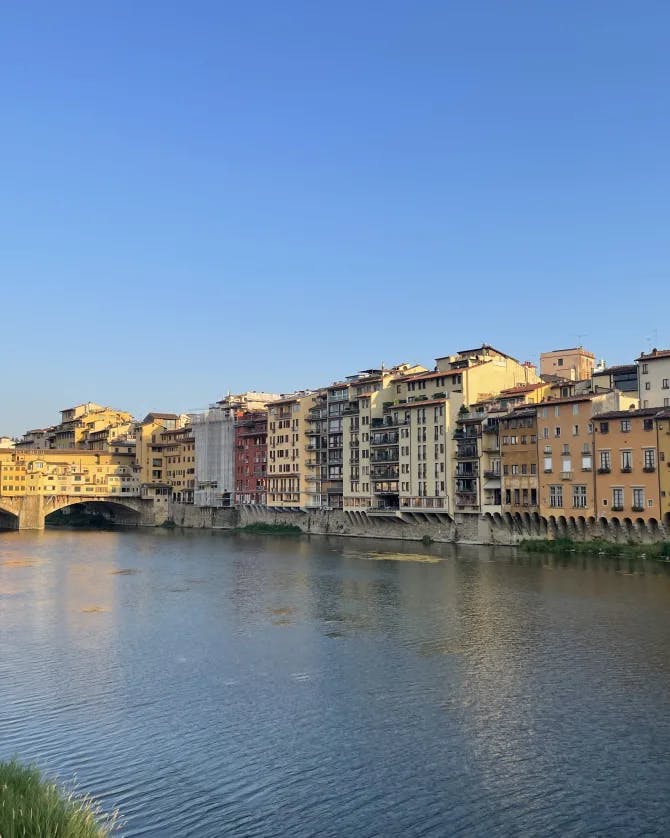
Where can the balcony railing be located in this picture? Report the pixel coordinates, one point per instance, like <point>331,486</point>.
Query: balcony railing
<point>384,439</point>
<point>566,475</point>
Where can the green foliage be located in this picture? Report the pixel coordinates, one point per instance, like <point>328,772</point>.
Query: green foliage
<point>261,528</point>
<point>31,807</point>
<point>597,547</point>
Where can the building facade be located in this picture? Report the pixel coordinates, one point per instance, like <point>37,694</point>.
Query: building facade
<point>654,378</point>
<point>575,364</point>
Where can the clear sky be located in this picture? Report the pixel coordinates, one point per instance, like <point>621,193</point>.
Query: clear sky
<point>199,197</point>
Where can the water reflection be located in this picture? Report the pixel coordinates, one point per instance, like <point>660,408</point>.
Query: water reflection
<point>237,684</point>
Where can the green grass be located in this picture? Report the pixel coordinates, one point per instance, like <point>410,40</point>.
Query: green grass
<point>597,546</point>
<point>32,807</point>
<point>261,528</point>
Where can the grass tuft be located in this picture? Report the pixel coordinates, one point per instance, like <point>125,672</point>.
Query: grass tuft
<point>271,529</point>
<point>596,547</point>
<point>32,807</point>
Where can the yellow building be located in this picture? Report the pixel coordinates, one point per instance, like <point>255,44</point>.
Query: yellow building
<point>77,425</point>
<point>61,472</point>
<point>178,455</point>
<point>150,462</point>
<point>291,452</point>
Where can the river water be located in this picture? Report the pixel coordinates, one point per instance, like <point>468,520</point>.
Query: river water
<point>216,684</point>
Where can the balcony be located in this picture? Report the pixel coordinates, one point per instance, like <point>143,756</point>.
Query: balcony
<point>466,452</point>
<point>378,439</point>
<point>638,508</point>
<point>604,470</point>
<point>626,469</point>
<point>390,456</point>
<point>649,469</point>
<point>467,473</point>
<point>385,474</point>
<point>470,434</point>
<point>566,475</point>
<point>616,508</point>
<point>492,475</point>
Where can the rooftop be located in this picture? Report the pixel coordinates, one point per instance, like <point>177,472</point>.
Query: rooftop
<point>655,353</point>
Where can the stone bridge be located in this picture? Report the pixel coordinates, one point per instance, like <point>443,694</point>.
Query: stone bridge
<point>28,512</point>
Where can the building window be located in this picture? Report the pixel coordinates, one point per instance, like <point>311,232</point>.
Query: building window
<point>605,461</point>
<point>645,369</point>
<point>604,427</point>
<point>547,465</point>
<point>557,431</point>
<point>649,424</point>
<point>626,461</point>
<point>579,497</point>
<point>638,500</point>
<point>625,425</point>
<point>665,385</point>
<point>555,496</point>
<point>617,500</point>
<point>649,459</point>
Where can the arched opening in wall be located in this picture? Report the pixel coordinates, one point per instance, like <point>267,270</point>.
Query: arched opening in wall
<point>653,527</point>
<point>628,527</point>
<point>518,526</point>
<point>562,524</point>
<point>92,514</point>
<point>641,524</point>
<point>526,521</point>
<point>603,523</point>
<point>592,520</point>
<point>509,521</point>
<point>8,520</point>
<point>581,524</point>
<point>498,519</point>
<point>666,521</point>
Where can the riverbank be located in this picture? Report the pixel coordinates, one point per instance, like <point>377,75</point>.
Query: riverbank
<point>419,525</point>
<point>32,806</point>
<point>598,547</point>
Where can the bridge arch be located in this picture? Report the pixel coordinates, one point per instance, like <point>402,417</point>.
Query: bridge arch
<point>121,510</point>
<point>9,517</point>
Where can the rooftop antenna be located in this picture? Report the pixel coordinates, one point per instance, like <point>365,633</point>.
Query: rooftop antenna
<point>579,339</point>
<point>653,335</point>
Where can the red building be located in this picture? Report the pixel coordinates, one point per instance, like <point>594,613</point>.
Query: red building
<point>251,457</point>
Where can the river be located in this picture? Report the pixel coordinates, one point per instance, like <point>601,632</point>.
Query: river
<point>219,684</point>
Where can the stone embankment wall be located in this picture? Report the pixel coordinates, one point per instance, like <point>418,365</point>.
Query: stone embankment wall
<point>415,526</point>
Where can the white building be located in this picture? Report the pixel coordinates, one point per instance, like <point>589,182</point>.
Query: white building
<point>654,378</point>
<point>214,435</point>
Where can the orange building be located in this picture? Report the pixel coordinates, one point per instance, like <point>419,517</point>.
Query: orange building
<point>518,453</point>
<point>627,465</point>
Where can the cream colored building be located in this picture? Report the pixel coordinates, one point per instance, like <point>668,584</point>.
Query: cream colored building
<point>417,458</point>
<point>654,378</point>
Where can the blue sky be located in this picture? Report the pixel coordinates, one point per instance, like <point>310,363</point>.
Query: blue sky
<point>211,196</point>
